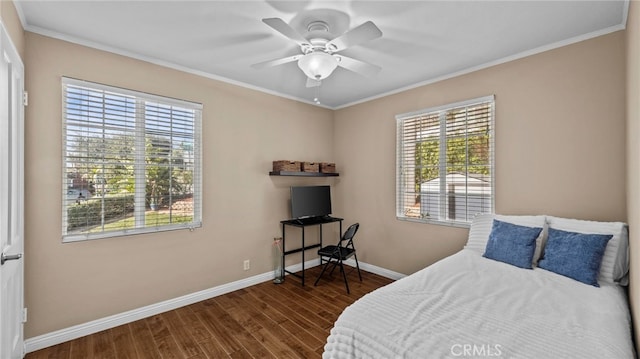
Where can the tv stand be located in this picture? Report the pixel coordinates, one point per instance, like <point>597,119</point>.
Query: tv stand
<point>302,223</point>
<point>308,221</point>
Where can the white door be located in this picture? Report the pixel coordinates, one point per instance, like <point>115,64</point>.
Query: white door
<point>12,314</point>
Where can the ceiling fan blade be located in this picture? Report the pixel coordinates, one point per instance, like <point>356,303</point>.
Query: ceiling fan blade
<point>357,66</point>
<point>282,27</point>
<point>313,83</point>
<point>363,33</point>
<point>276,62</point>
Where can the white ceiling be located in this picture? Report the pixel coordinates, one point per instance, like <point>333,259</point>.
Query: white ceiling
<point>422,41</point>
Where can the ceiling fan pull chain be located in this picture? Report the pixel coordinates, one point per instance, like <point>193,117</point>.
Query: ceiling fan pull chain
<point>317,98</point>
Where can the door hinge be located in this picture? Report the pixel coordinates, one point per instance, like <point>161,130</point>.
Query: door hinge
<point>24,315</point>
<point>25,98</point>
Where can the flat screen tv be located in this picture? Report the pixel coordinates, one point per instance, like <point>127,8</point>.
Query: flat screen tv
<point>310,201</point>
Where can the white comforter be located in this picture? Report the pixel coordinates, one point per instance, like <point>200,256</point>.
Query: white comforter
<point>467,306</point>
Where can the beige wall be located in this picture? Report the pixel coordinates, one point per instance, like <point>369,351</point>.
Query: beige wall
<point>243,131</point>
<point>633,158</point>
<point>11,22</point>
<point>560,149</point>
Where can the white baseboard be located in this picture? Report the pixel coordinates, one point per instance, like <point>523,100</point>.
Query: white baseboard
<point>80,330</point>
<point>376,270</point>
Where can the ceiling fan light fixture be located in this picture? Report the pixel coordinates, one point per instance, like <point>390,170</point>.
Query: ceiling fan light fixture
<point>317,65</point>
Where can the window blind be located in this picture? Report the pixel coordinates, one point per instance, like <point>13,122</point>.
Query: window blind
<point>131,162</point>
<point>445,162</point>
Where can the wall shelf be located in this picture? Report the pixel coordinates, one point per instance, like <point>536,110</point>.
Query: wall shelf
<point>302,174</point>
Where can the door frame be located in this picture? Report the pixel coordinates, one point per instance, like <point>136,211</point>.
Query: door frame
<point>12,308</point>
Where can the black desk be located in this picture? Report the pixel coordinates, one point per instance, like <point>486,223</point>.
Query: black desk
<point>302,223</point>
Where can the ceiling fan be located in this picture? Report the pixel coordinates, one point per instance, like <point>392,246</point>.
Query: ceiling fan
<point>318,59</point>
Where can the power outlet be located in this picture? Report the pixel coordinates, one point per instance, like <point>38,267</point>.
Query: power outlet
<point>247,264</point>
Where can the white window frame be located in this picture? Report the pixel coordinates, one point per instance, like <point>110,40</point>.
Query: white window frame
<point>406,162</point>
<point>142,100</point>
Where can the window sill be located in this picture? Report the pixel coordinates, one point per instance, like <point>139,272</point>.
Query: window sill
<point>70,238</point>
<point>457,224</point>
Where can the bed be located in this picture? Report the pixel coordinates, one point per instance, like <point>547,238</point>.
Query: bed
<point>472,306</point>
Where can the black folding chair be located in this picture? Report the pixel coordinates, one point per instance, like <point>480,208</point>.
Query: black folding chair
<point>337,254</point>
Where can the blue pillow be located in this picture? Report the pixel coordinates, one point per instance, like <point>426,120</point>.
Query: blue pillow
<point>575,255</point>
<point>511,243</point>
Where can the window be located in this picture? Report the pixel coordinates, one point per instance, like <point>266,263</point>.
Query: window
<point>131,162</point>
<point>445,163</point>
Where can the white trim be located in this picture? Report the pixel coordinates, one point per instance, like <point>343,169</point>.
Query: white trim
<point>503,60</point>
<point>18,6</point>
<point>155,61</point>
<point>387,273</point>
<point>625,14</point>
<point>11,46</point>
<point>80,330</point>
<point>12,199</point>
<point>91,44</point>
<point>71,238</point>
<point>437,222</point>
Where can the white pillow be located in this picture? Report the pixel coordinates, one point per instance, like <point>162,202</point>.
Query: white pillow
<point>615,262</point>
<point>481,229</point>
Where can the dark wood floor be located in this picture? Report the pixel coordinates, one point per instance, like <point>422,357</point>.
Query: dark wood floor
<point>262,321</point>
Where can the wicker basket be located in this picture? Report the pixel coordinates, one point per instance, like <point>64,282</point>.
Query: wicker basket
<point>310,167</point>
<point>326,167</point>
<point>287,166</point>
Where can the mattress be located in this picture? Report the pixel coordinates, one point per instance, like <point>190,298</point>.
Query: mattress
<point>472,307</point>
